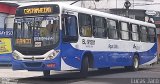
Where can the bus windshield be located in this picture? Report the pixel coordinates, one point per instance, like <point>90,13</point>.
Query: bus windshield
<point>41,31</point>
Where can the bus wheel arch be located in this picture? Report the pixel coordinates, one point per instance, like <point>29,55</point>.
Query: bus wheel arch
<point>86,63</point>
<point>134,63</point>
<point>89,55</point>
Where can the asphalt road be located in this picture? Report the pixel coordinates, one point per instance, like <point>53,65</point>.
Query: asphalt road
<point>146,75</point>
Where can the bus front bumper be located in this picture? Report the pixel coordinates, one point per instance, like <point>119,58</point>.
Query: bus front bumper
<point>36,65</point>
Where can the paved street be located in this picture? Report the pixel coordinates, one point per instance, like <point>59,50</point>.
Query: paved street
<point>146,75</point>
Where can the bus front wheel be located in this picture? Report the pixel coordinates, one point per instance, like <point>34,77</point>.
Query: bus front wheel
<point>46,73</point>
<point>84,67</point>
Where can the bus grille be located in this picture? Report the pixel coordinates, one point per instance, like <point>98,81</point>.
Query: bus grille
<point>41,58</point>
<point>35,64</point>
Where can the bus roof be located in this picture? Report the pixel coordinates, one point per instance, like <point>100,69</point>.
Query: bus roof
<point>92,12</point>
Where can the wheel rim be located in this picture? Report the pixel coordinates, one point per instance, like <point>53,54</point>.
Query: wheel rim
<point>136,63</point>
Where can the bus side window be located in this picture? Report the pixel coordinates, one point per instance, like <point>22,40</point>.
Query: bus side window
<point>151,35</point>
<point>134,32</point>
<point>144,37</point>
<point>85,25</point>
<point>124,31</point>
<point>70,29</point>
<point>99,27</point>
<point>112,29</point>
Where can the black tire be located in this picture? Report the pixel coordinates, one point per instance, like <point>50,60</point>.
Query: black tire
<point>135,64</point>
<point>46,73</point>
<point>84,67</point>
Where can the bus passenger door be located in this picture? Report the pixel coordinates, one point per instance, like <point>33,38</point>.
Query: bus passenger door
<point>70,37</point>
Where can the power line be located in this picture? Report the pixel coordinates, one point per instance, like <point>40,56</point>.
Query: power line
<point>141,4</point>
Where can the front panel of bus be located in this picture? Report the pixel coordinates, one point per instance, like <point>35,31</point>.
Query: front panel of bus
<point>36,38</point>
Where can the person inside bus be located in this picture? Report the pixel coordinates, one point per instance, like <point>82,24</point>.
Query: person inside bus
<point>51,28</point>
<point>55,26</point>
<point>86,30</point>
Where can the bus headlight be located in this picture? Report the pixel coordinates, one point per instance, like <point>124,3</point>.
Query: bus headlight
<point>16,56</point>
<point>52,55</point>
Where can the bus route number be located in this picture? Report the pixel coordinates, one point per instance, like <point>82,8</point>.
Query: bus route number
<point>89,43</point>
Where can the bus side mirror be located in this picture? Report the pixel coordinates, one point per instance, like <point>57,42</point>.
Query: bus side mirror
<point>70,38</point>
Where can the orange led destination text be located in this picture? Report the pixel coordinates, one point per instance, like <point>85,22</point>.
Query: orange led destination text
<point>38,10</point>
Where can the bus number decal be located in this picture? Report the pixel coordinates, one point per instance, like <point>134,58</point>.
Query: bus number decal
<point>88,43</point>
<point>37,44</point>
<point>23,41</point>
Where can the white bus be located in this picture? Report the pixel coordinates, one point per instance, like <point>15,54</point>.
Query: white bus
<point>55,36</point>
